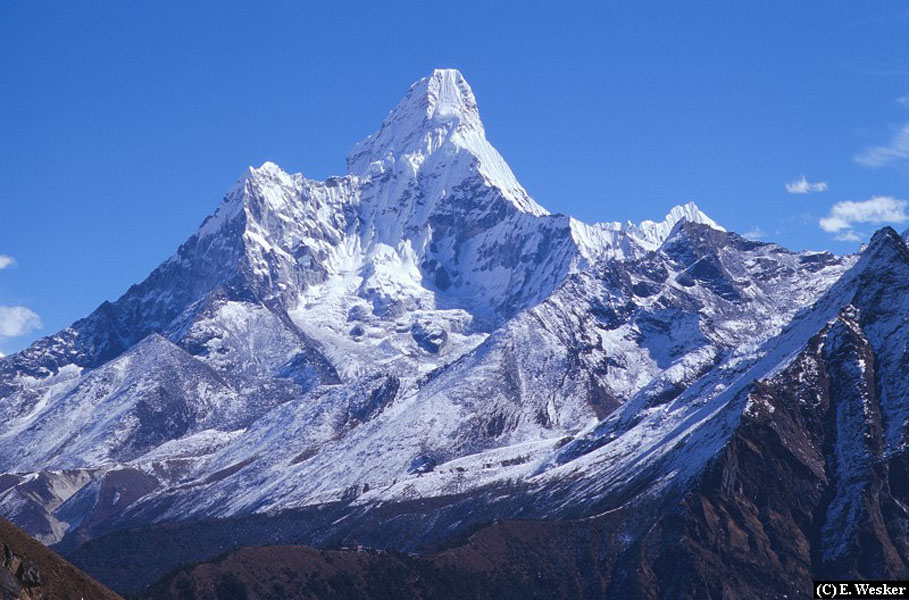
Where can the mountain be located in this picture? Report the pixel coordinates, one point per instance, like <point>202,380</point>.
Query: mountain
<point>29,571</point>
<point>414,351</point>
<point>810,482</point>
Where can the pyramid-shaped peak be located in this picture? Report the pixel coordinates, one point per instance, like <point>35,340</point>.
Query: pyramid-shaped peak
<point>267,170</point>
<point>436,129</point>
<point>441,97</point>
<point>691,213</point>
<point>447,95</point>
<point>886,241</point>
<point>433,108</point>
<point>655,233</point>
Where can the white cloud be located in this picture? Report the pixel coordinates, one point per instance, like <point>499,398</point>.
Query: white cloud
<point>803,186</point>
<point>877,210</point>
<point>881,156</point>
<point>904,100</point>
<point>17,320</point>
<point>850,235</point>
<point>755,234</point>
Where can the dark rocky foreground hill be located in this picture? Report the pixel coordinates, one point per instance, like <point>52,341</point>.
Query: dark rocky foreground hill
<point>30,571</point>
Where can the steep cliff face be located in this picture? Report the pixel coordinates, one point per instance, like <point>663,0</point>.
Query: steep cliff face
<point>809,486</point>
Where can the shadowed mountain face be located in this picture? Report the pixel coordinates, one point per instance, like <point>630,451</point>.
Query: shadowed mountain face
<point>403,355</point>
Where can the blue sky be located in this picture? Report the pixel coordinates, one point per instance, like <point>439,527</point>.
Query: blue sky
<point>123,123</point>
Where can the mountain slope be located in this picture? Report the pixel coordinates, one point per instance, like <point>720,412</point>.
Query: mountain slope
<point>29,571</point>
<point>809,484</point>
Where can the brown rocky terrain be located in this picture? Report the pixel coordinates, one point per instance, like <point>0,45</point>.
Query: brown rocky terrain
<point>30,571</point>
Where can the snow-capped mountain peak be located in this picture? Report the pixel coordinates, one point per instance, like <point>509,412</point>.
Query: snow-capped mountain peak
<point>628,240</point>
<point>446,96</point>
<point>266,175</point>
<point>651,234</point>
<point>436,132</point>
<point>683,212</point>
<point>886,243</point>
<point>432,109</point>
